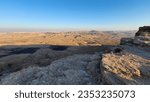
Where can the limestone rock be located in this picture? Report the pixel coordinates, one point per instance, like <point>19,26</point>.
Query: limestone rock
<point>130,67</point>
<point>142,38</point>
<point>143,31</point>
<point>66,71</point>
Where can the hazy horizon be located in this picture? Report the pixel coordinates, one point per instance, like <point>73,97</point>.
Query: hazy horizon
<point>70,15</point>
<point>5,30</point>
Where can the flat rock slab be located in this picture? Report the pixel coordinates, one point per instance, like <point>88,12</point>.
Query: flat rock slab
<point>132,66</point>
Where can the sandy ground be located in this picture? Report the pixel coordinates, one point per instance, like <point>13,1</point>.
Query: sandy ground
<point>58,39</point>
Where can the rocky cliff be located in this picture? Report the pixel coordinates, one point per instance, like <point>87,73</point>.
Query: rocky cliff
<point>142,37</point>
<point>128,63</point>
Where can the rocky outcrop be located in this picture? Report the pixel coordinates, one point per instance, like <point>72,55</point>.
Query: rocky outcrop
<point>50,66</point>
<point>142,37</point>
<point>10,61</point>
<point>143,31</point>
<point>71,70</point>
<point>142,40</point>
<point>131,65</point>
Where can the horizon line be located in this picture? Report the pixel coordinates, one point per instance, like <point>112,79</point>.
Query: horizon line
<point>4,30</point>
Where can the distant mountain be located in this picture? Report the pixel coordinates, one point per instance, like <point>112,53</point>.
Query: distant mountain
<point>93,32</point>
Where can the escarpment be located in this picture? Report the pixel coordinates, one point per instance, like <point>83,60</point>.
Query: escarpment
<point>132,64</point>
<point>124,64</point>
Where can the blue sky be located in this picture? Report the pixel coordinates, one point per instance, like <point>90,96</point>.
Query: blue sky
<point>74,14</point>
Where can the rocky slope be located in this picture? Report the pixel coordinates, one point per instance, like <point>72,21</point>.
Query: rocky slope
<point>128,63</point>
<point>70,70</point>
<point>51,65</point>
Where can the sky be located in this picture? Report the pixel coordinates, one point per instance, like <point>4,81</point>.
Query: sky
<point>44,15</point>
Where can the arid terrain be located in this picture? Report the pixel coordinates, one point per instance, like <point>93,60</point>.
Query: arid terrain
<point>64,38</point>
<point>75,58</point>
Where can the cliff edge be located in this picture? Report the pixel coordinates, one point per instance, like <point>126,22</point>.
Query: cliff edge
<point>128,63</point>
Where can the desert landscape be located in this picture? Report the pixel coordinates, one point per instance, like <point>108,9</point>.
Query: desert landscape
<point>75,58</point>
<point>81,38</point>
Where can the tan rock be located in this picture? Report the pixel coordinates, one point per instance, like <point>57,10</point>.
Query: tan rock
<point>125,68</point>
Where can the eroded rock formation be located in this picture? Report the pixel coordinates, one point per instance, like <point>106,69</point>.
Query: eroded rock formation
<point>142,37</point>
<point>143,31</point>
<point>132,64</point>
